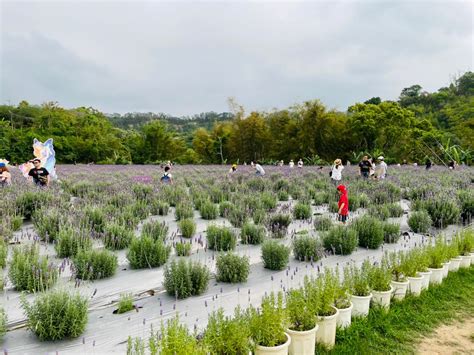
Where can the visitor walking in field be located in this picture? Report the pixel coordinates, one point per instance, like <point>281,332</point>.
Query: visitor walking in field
<point>5,176</point>
<point>336,172</point>
<point>291,164</point>
<point>382,170</point>
<point>300,163</point>
<point>167,178</point>
<point>343,204</point>
<point>364,167</point>
<point>259,169</point>
<point>39,175</point>
<point>233,169</point>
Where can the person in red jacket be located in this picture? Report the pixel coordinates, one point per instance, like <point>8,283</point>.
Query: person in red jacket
<point>343,203</point>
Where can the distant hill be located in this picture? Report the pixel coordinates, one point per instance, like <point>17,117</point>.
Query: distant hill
<point>184,125</point>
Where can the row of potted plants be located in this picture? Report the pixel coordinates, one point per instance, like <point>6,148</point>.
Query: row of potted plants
<point>293,322</point>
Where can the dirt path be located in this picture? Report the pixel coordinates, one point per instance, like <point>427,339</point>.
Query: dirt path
<point>456,338</point>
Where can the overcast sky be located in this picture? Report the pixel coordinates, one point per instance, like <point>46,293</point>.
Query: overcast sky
<point>189,57</point>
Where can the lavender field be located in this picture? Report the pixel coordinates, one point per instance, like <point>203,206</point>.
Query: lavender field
<point>108,232</point>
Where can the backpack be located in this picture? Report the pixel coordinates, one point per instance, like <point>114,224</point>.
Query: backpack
<point>165,178</point>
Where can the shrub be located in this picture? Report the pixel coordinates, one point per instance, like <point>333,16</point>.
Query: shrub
<point>3,253</point>
<point>363,200</point>
<point>302,211</point>
<point>183,210</point>
<point>175,338</point>
<point>29,271</point>
<point>237,216</point>
<point>232,268</point>
<point>322,223</point>
<point>358,278</point>
<point>391,232</point>
<point>410,264</point>
<point>307,248</point>
<point>224,208</point>
<point>16,223</point>
<point>275,256</point>
<point>56,315</point>
<point>370,232</point>
<point>419,222</point>
<point>252,234</point>
<point>327,286</point>
<point>228,335</point>
<point>209,210</point>
<point>47,223</point>
<point>28,202</point>
<point>160,208</point>
<point>94,218</point>
<point>380,212</point>
<point>300,313</point>
<point>340,240</point>
<point>395,210</point>
<point>283,195</point>
<point>3,322</point>
<point>443,211</point>
<point>94,264</point>
<point>156,230</point>
<point>259,216</point>
<point>466,199</point>
<point>269,322</point>
<point>220,238</point>
<point>465,242</point>
<point>333,207</point>
<point>71,241</point>
<point>125,303</point>
<point>320,198</point>
<point>278,224</point>
<point>184,279</point>
<point>183,249</point>
<point>117,236</point>
<point>380,277</point>
<point>268,200</point>
<point>436,254</point>
<point>354,203</point>
<point>140,209</point>
<point>145,252</point>
<point>187,227</point>
<point>395,262</point>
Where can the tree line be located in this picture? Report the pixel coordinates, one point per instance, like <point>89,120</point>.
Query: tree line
<point>419,125</point>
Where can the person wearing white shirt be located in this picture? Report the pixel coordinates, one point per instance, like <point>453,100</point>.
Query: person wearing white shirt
<point>336,171</point>
<point>300,163</point>
<point>382,170</point>
<point>259,170</point>
<point>291,164</point>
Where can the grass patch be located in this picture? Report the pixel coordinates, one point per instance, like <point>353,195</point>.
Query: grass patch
<point>399,330</point>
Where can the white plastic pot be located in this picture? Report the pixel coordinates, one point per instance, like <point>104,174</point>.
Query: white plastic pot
<point>361,305</point>
<point>436,276</point>
<point>344,317</point>
<point>414,286</point>
<point>399,289</point>
<point>426,279</point>
<point>382,298</point>
<point>446,269</point>
<point>326,333</point>
<point>465,261</point>
<point>274,350</point>
<point>455,262</point>
<point>302,342</point>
